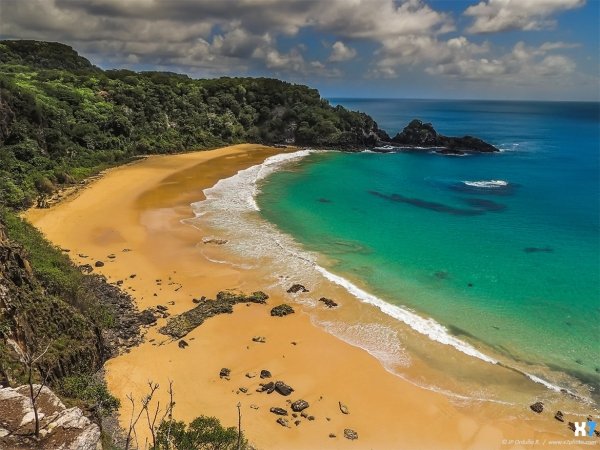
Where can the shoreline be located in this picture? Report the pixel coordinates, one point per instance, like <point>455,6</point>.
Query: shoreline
<point>140,207</point>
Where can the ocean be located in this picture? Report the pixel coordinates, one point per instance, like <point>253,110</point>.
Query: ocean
<point>497,255</point>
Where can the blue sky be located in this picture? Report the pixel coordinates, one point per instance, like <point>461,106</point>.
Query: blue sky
<point>493,49</point>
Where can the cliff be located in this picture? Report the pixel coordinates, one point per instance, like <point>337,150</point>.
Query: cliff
<point>60,427</point>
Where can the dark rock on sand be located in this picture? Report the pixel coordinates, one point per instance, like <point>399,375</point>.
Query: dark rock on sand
<point>265,374</point>
<point>537,407</point>
<point>99,264</point>
<point>559,416</point>
<point>296,288</point>
<point>283,422</point>
<point>328,302</point>
<point>225,372</point>
<point>86,268</point>
<point>260,339</point>
<point>331,435</point>
<point>282,310</point>
<point>299,405</point>
<point>538,249</point>
<point>267,387</point>
<point>283,388</point>
<point>350,434</point>
<point>279,411</point>
<point>182,344</point>
<point>180,325</point>
<point>147,317</point>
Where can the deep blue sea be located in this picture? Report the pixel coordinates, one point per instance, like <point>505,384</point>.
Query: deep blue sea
<point>503,249</point>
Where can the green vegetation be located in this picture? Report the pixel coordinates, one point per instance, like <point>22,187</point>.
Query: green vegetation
<point>203,433</point>
<point>62,119</point>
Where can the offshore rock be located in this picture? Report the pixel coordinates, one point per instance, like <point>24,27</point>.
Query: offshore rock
<point>423,135</point>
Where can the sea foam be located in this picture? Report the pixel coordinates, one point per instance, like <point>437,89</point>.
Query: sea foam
<point>230,205</point>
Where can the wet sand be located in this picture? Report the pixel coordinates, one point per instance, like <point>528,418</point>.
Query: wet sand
<point>140,207</point>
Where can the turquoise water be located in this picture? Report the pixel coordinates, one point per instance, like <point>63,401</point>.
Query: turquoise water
<point>513,264</point>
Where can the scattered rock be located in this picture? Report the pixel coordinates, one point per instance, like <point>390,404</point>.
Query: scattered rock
<point>282,310</point>
<point>331,435</point>
<point>311,418</point>
<point>283,388</point>
<point>283,422</point>
<point>571,426</point>
<point>299,405</point>
<point>304,414</point>
<point>265,374</point>
<point>183,344</point>
<point>267,387</point>
<point>260,339</point>
<point>343,408</point>
<point>297,422</point>
<point>537,407</point>
<point>171,303</point>
<point>180,325</point>
<point>297,288</point>
<point>225,372</point>
<point>328,302</point>
<point>253,406</point>
<point>133,275</point>
<point>243,389</point>
<point>215,241</point>
<point>350,434</point>
<point>279,411</point>
<point>559,416</point>
<point>99,264</point>
<point>86,268</point>
<point>111,256</point>
<point>147,317</point>
<point>250,375</point>
<point>162,308</point>
<point>125,250</point>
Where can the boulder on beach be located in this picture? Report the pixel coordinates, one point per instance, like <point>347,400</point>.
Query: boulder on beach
<point>282,310</point>
<point>537,407</point>
<point>299,405</point>
<point>296,288</point>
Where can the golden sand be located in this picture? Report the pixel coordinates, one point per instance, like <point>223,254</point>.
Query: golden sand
<point>140,207</point>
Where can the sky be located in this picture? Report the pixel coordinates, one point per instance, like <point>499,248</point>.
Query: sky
<point>480,49</point>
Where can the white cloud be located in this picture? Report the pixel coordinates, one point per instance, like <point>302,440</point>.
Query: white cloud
<point>521,65</point>
<point>491,16</point>
<point>341,52</point>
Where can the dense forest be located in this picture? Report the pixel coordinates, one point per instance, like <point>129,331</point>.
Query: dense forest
<point>62,118</point>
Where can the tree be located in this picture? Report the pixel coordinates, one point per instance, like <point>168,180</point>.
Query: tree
<point>31,361</point>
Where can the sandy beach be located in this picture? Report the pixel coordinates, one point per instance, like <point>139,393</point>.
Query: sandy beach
<point>140,207</point>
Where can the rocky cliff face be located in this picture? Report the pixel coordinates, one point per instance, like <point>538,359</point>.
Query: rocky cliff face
<point>60,427</point>
<point>419,134</point>
<point>31,318</point>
